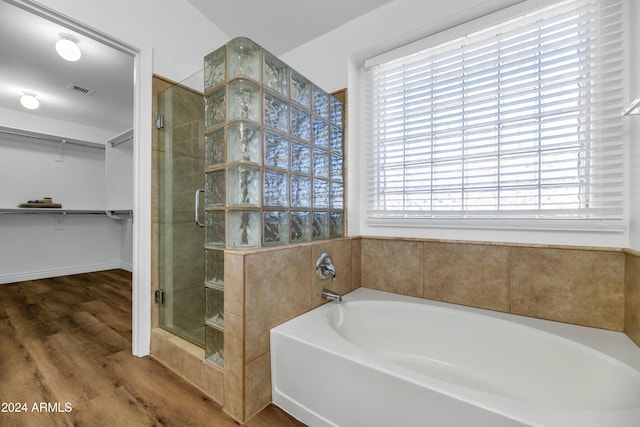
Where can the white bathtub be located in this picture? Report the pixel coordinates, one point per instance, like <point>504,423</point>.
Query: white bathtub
<point>380,359</point>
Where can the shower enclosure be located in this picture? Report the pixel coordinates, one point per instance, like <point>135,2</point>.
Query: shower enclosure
<point>266,147</point>
<point>180,162</point>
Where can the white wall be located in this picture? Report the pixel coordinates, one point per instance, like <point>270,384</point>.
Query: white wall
<point>335,60</point>
<point>126,244</point>
<point>32,169</point>
<point>31,122</point>
<point>37,246</point>
<point>634,127</point>
<point>119,176</point>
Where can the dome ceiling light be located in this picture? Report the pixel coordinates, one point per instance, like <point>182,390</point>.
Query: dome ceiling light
<point>29,100</point>
<point>67,47</point>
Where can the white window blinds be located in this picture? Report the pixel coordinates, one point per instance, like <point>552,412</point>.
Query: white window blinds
<point>521,120</point>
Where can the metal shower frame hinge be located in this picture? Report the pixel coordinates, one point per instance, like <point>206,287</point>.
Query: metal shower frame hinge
<point>159,121</point>
<point>158,296</point>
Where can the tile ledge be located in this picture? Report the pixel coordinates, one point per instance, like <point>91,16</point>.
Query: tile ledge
<point>634,252</point>
<point>178,342</point>
<point>511,244</point>
<point>275,248</point>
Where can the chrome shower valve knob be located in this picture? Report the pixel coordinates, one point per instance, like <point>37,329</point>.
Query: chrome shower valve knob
<point>325,267</point>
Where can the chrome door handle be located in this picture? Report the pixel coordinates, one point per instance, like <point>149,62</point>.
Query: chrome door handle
<point>197,213</point>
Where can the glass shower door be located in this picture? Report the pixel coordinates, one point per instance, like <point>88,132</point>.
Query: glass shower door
<point>181,258</point>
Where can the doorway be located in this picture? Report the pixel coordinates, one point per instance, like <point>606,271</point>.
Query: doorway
<point>141,72</point>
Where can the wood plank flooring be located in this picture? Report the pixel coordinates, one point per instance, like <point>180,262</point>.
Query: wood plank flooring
<point>65,360</point>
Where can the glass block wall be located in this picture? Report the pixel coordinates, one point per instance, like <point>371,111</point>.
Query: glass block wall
<point>274,163</point>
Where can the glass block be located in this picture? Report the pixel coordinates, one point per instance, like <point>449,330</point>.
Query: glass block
<point>214,108</point>
<point>276,228</point>
<point>320,163</point>
<point>336,224</point>
<point>335,139</point>
<point>276,190</point>
<point>300,89</point>
<point>244,101</point>
<point>215,153</point>
<point>214,188</point>
<point>214,310</point>
<point>244,143</point>
<point>214,267</point>
<point>336,199</point>
<point>214,228</point>
<point>320,133</point>
<point>336,112</point>
<point>214,69</point>
<point>300,229</point>
<point>320,193</point>
<point>276,113</point>
<point>300,158</point>
<point>335,168</point>
<point>244,59</point>
<point>243,186</point>
<point>300,124</point>
<point>243,229</point>
<point>275,74</point>
<point>320,226</point>
<point>214,346</point>
<point>300,192</point>
<point>276,151</point>
<point>320,102</point>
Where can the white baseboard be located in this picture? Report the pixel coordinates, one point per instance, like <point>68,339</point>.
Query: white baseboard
<point>126,266</point>
<point>57,272</point>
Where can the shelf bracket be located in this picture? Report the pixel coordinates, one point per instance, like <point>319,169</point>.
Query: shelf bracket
<point>61,151</point>
<point>58,223</point>
<point>633,109</point>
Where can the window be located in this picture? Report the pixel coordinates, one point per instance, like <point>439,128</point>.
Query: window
<point>517,121</point>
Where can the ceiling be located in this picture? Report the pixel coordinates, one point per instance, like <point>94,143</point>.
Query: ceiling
<point>282,25</point>
<point>29,61</point>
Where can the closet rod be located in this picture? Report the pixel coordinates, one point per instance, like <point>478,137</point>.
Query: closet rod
<point>60,211</point>
<point>52,138</point>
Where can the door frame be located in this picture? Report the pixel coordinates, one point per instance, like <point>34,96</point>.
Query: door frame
<point>142,149</point>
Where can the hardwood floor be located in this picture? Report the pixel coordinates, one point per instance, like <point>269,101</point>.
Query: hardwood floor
<point>65,360</point>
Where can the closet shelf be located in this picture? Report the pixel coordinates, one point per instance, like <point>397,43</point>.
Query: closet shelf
<point>61,211</point>
<point>48,137</point>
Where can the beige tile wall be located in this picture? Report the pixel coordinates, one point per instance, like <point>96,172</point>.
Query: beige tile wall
<point>264,289</point>
<point>187,360</point>
<point>583,286</point>
<point>632,296</point>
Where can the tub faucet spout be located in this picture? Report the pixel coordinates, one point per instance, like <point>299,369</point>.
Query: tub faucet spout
<point>330,295</point>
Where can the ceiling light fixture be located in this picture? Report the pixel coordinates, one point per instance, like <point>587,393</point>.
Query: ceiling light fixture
<point>67,47</point>
<point>29,100</point>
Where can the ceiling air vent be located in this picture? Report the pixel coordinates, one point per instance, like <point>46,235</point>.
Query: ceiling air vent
<point>80,89</point>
